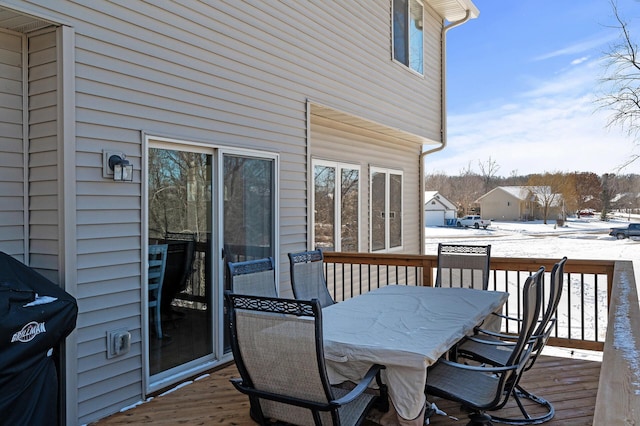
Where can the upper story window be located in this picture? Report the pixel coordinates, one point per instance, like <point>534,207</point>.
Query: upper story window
<point>407,33</point>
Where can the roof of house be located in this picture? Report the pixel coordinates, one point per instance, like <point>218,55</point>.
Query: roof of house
<point>454,10</point>
<point>519,192</point>
<point>439,198</point>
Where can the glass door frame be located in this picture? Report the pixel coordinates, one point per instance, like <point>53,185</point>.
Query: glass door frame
<point>218,355</point>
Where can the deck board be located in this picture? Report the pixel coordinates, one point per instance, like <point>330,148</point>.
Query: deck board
<point>570,384</point>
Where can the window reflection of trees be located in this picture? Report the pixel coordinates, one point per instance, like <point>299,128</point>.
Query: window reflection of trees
<point>179,193</point>
<point>349,212</point>
<point>179,197</point>
<point>326,199</point>
<point>248,206</point>
<point>324,206</point>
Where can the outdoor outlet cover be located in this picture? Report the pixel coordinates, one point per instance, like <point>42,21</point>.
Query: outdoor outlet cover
<point>118,342</point>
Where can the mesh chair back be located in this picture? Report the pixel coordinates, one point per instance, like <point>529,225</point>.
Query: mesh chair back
<point>555,293</point>
<point>253,277</point>
<point>531,308</point>
<point>307,277</point>
<point>463,266</point>
<point>277,346</point>
<point>548,310</point>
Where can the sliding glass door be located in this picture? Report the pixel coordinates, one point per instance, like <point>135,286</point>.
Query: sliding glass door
<point>205,206</point>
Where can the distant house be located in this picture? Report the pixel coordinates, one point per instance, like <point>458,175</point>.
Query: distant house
<point>224,130</point>
<point>625,201</point>
<point>517,203</point>
<point>509,203</point>
<point>438,209</point>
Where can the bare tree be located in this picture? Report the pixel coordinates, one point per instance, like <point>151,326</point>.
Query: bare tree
<point>547,189</point>
<point>468,189</point>
<point>488,171</point>
<point>622,83</point>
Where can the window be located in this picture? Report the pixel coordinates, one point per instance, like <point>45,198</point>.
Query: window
<point>386,209</point>
<point>407,33</point>
<point>336,206</point>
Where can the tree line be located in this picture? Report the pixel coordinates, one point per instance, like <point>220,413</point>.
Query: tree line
<point>577,190</point>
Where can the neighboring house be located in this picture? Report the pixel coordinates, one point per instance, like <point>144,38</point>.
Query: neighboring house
<point>438,209</point>
<point>244,129</point>
<point>509,203</point>
<point>520,203</point>
<point>625,201</point>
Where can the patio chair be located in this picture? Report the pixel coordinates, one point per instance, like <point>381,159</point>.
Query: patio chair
<point>253,277</point>
<point>277,345</point>
<point>494,348</point>
<point>307,277</point>
<point>463,266</point>
<point>155,275</point>
<point>481,388</point>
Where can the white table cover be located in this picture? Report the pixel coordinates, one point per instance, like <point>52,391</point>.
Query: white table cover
<point>406,329</point>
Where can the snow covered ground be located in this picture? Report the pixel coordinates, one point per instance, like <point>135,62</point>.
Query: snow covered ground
<point>578,239</point>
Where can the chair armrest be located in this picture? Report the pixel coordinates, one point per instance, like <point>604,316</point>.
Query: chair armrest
<point>360,387</point>
<point>503,316</point>
<point>491,342</point>
<point>508,339</point>
<point>480,368</point>
<point>498,335</point>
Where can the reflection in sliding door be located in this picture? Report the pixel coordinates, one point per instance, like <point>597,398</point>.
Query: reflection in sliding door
<point>179,216</point>
<point>249,210</point>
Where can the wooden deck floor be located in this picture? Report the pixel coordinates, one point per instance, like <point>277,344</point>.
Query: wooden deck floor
<point>570,384</point>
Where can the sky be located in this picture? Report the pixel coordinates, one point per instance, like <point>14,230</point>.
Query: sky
<point>521,83</point>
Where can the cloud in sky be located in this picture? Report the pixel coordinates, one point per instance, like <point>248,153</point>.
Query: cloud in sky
<point>589,45</point>
<point>522,84</point>
<point>554,125</point>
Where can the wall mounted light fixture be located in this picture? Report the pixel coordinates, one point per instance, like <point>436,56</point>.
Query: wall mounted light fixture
<point>116,165</point>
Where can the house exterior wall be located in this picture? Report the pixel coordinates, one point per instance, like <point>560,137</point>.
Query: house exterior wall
<point>12,157</point>
<point>44,232</point>
<point>235,74</point>
<point>500,205</point>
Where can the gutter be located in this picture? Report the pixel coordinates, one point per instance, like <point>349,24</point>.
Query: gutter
<point>443,113</point>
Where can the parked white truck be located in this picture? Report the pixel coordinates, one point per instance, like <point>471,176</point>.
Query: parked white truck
<point>473,220</point>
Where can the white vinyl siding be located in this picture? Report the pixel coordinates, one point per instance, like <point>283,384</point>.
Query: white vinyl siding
<point>43,154</point>
<point>12,161</point>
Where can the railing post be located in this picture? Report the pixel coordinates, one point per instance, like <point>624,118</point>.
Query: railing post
<point>427,273</point>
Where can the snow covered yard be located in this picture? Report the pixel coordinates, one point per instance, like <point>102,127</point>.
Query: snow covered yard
<point>578,239</point>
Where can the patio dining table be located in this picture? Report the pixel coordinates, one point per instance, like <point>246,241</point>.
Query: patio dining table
<point>405,328</point>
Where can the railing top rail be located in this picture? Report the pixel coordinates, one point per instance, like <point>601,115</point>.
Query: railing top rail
<point>497,263</point>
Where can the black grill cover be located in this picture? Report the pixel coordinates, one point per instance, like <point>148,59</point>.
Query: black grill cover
<point>35,317</point>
